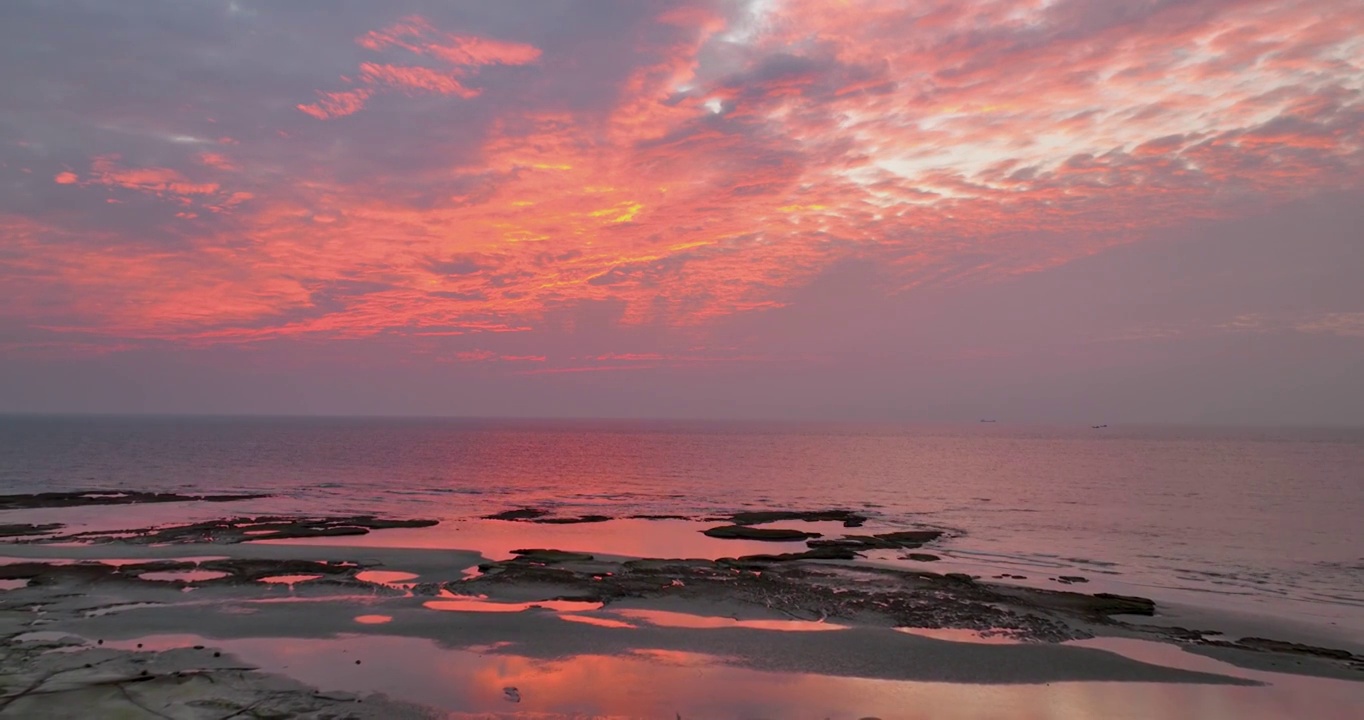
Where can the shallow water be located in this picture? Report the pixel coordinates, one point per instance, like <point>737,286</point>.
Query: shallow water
<point>1258,520</point>
<point>663,683</point>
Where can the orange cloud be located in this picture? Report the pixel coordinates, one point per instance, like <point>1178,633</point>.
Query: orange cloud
<point>337,104</point>
<point>155,180</point>
<point>415,78</point>
<point>462,55</point>
<point>731,163</point>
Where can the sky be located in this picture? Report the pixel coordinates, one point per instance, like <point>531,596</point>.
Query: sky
<point>926,210</point>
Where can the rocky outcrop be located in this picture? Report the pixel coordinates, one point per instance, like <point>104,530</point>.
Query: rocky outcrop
<point>242,529</point>
<point>905,540</point>
<point>518,514</point>
<point>108,497</point>
<point>762,517</point>
<point>745,532</point>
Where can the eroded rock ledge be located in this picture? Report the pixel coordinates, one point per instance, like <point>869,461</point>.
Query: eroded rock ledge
<point>230,531</point>
<point>109,497</point>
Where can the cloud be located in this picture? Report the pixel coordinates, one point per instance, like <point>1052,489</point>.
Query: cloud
<point>1343,324</point>
<point>460,56</point>
<point>681,164</point>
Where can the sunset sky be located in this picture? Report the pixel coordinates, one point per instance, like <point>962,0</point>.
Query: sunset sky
<point>1030,210</point>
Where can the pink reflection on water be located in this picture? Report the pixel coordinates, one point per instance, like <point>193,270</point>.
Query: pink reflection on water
<point>598,621</point>
<point>629,537</point>
<point>960,635</point>
<point>468,603</point>
<point>13,584</point>
<point>289,580</point>
<point>120,562</point>
<point>386,577</point>
<point>668,683</point>
<point>184,575</point>
<point>668,618</point>
<point>373,619</point>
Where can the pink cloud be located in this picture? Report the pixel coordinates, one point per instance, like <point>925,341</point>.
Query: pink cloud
<point>462,55</point>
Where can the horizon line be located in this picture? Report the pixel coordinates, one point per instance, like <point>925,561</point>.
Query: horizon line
<point>996,421</point>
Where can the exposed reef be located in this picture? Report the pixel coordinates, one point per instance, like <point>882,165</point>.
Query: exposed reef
<point>762,517</point>
<point>109,497</point>
<point>542,516</point>
<point>28,529</point>
<point>745,532</point>
<point>62,678</point>
<point>809,591</point>
<point>904,540</point>
<point>242,529</point>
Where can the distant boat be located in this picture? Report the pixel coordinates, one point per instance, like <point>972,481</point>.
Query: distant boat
<point>1097,427</point>
<point>989,421</point>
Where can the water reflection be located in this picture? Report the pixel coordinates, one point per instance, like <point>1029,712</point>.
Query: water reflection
<point>598,621</point>
<point>496,539</point>
<point>470,603</point>
<point>183,575</point>
<point>963,635</point>
<point>391,578</point>
<point>667,618</point>
<point>290,580</point>
<point>660,683</point>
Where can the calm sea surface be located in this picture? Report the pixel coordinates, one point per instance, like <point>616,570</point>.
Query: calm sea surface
<point>1261,520</point>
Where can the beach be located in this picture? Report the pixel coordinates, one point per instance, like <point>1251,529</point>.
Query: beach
<point>529,613</point>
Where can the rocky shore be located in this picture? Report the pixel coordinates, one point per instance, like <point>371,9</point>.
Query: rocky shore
<point>65,597</point>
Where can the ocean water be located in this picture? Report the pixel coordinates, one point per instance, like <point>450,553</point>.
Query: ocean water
<point>1269,522</point>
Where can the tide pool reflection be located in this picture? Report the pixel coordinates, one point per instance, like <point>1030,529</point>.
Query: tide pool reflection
<point>664,683</point>
<point>471,603</point>
<point>667,618</point>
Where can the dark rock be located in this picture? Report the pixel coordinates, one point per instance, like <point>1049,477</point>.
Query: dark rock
<point>762,517</point>
<point>251,569</point>
<point>1280,646</point>
<point>1110,604</point>
<point>518,514</point>
<point>244,529</point>
<point>909,538</point>
<point>369,522</point>
<point>156,566</point>
<point>816,554</point>
<point>1068,579</point>
<point>960,577</point>
<point>905,540</point>
<point>922,557</point>
<point>108,497</point>
<point>549,557</point>
<point>24,529</point>
<point>743,532</point>
<point>1097,607</point>
<point>571,520</point>
<point>788,584</point>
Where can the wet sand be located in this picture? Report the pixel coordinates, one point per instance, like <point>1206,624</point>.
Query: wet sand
<point>356,625</point>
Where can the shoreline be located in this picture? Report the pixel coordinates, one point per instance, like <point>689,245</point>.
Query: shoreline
<point>820,612</point>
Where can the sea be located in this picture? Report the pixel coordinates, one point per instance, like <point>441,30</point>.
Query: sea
<point>1268,522</point>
